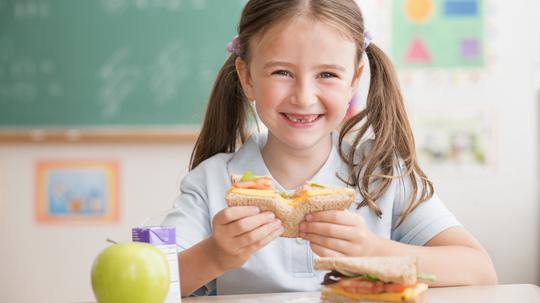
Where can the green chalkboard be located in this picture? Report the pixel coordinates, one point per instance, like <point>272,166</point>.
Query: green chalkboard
<point>110,63</point>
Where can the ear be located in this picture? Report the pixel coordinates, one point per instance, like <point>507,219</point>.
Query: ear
<point>357,76</point>
<point>245,78</point>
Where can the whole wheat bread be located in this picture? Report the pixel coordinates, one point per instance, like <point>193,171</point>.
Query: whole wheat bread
<point>400,269</point>
<point>292,216</point>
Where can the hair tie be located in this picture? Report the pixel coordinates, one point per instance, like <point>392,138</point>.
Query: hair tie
<point>367,39</point>
<point>233,47</point>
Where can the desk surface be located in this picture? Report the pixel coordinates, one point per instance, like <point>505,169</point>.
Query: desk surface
<point>523,293</point>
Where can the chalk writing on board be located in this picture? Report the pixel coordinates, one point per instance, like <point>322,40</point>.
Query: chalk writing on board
<point>55,89</point>
<point>119,79</point>
<point>205,71</point>
<point>47,67</point>
<point>199,4</point>
<point>31,9</point>
<point>23,68</point>
<point>120,6</point>
<point>168,71</point>
<point>19,79</point>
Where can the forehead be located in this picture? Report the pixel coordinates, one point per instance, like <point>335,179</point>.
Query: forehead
<point>305,40</point>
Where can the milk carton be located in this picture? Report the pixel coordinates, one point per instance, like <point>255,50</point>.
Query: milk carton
<point>163,238</point>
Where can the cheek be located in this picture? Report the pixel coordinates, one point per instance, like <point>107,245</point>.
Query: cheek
<point>338,97</point>
<point>271,93</point>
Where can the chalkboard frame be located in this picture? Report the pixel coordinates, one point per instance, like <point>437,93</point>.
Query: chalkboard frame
<point>146,135</point>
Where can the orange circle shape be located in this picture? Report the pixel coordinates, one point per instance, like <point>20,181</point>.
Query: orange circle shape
<point>419,11</point>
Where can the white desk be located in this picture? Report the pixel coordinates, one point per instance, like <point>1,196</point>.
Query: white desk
<point>519,293</point>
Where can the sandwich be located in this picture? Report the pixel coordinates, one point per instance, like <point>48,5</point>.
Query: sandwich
<point>250,190</point>
<point>374,279</point>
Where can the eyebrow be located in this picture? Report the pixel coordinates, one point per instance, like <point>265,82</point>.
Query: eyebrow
<point>282,63</point>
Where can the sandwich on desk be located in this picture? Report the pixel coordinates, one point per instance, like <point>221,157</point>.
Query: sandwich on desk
<point>374,279</point>
<point>250,190</point>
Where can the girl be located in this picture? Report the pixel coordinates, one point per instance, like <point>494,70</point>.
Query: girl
<point>299,62</point>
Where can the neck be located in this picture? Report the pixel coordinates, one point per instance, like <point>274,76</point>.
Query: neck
<point>293,167</point>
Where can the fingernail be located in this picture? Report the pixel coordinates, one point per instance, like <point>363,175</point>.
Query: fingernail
<point>255,209</point>
<point>270,216</point>
<point>302,226</point>
<point>309,217</point>
<point>302,235</point>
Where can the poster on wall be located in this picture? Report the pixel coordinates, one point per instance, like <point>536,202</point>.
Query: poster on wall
<point>77,191</point>
<point>438,34</point>
<point>456,140</point>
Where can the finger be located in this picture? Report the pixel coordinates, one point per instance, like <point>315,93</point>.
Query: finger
<point>328,230</point>
<point>257,234</point>
<point>322,251</point>
<point>249,223</point>
<point>262,243</point>
<point>231,214</point>
<point>336,217</point>
<point>334,244</point>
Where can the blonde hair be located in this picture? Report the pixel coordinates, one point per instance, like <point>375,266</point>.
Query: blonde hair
<point>226,126</point>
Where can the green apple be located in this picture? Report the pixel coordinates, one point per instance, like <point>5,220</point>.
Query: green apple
<point>132,272</point>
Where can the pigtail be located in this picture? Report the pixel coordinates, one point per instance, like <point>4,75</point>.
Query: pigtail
<point>225,121</point>
<point>386,117</point>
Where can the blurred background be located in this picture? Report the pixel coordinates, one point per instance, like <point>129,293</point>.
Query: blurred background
<point>100,102</point>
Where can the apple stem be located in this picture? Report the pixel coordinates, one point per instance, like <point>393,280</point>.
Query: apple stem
<point>111,241</point>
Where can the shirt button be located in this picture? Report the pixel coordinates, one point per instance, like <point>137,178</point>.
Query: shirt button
<point>300,241</point>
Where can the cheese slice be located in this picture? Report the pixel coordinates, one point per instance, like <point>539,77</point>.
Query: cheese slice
<point>406,295</point>
<point>255,192</point>
<point>271,193</point>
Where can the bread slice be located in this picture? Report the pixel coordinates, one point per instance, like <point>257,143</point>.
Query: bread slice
<point>400,270</point>
<point>330,295</point>
<point>292,214</point>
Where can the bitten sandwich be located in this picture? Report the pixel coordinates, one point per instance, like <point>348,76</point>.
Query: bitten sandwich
<point>250,190</point>
<point>374,279</point>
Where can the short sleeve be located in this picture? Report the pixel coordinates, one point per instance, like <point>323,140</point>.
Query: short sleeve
<point>190,213</point>
<point>428,219</point>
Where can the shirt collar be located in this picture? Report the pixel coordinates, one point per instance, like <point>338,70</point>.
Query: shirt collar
<point>249,157</point>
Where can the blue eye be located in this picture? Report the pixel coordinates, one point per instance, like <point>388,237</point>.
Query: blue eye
<point>282,73</point>
<point>327,75</point>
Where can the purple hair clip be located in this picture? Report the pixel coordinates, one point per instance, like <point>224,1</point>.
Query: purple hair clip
<point>234,46</point>
<point>367,39</point>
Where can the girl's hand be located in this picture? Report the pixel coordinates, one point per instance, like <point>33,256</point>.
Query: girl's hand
<point>335,233</point>
<point>239,232</point>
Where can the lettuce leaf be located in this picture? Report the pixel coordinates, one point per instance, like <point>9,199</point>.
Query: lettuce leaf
<point>248,176</point>
<point>426,277</point>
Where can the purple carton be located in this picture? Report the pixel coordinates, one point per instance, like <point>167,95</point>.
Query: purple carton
<point>164,238</point>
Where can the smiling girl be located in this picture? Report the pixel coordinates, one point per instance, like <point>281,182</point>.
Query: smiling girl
<point>299,62</point>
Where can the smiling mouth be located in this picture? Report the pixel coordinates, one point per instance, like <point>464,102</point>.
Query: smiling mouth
<point>304,119</point>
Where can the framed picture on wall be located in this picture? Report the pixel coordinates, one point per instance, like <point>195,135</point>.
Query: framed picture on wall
<point>456,140</point>
<point>77,191</point>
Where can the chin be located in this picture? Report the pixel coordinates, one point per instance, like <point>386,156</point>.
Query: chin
<point>298,141</point>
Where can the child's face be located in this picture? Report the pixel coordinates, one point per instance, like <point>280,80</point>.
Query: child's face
<point>302,75</point>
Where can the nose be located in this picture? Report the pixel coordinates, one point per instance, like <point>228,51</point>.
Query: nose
<point>305,94</point>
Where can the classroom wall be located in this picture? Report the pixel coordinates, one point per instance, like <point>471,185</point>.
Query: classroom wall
<point>501,206</point>
<point>51,263</point>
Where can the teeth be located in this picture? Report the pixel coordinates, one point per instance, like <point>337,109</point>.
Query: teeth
<point>302,119</point>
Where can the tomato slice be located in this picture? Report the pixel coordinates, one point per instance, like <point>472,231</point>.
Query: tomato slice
<point>260,183</point>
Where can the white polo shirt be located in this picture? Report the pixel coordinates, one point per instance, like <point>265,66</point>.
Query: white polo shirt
<point>286,264</point>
